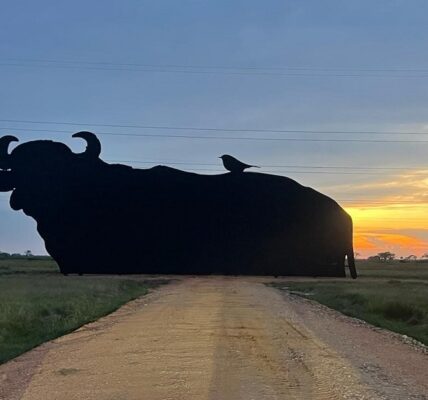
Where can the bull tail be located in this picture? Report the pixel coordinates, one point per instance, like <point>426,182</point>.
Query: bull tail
<point>350,252</point>
<point>351,262</point>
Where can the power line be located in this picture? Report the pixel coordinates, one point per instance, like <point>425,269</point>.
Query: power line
<point>144,65</point>
<point>365,202</point>
<point>362,170</point>
<point>215,129</point>
<point>288,172</point>
<point>277,166</point>
<point>214,71</point>
<point>263,171</point>
<point>357,170</point>
<point>237,138</point>
<point>368,203</point>
<point>387,202</point>
<point>277,171</point>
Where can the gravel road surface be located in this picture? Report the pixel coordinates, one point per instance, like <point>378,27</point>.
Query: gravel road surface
<point>220,338</point>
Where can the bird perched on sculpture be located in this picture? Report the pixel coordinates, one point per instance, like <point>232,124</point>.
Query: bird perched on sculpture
<point>234,165</point>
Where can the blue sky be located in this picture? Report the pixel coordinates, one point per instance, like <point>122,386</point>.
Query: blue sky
<point>351,37</point>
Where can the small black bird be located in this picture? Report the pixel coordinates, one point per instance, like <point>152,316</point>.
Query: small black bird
<point>234,165</point>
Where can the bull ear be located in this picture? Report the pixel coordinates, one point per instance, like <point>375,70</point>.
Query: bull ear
<point>93,147</point>
<point>4,152</point>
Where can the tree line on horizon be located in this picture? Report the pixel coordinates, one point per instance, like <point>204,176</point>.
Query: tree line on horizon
<point>27,254</point>
<point>386,256</point>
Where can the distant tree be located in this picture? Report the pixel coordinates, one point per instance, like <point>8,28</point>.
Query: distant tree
<point>28,253</point>
<point>425,255</point>
<point>412,257</point>
<point>374,258</point>
<point>386,256</point>
<point>357,255</point>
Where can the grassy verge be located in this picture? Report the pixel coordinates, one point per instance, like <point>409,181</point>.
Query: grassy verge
<point>393,270</point>
<point>38,304</point>
<point>391,296</point>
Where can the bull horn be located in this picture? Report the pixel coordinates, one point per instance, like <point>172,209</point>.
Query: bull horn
<point>93,147</point>
<point>4,153</point>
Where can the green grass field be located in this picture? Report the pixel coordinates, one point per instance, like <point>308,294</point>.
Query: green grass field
<point>389,295</point>
<point>37,303</point>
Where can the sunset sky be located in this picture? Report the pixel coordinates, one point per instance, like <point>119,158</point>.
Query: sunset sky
<point>349,79</point>
<point>396,222</point>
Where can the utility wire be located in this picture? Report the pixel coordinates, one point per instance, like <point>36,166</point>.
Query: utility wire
<point>363,202</point>
<point>145,65</point>
<point>290,172</point>
<point>192,128</point>
<point>278,166</point>
<point>202,72</point>
<point>213,164</point>
<point>263,171</point>
<point>234,138</point>
<point>215,72</point>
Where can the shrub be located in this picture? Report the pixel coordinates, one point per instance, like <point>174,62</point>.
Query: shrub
<point>395,310</point>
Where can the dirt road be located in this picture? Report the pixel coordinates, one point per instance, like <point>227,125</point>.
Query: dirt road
<point>220,338</point>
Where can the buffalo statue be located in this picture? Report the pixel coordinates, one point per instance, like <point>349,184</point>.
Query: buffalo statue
<point>97,217</point>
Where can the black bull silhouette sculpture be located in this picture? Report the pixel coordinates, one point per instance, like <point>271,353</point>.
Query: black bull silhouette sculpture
<point>109,218</point>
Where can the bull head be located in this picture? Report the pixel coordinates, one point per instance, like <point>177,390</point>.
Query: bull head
<point>6,181</point>
<point>22,156</point>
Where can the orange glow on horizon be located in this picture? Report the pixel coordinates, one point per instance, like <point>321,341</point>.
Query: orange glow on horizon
<point>392,214</point>
<point>399,228</point>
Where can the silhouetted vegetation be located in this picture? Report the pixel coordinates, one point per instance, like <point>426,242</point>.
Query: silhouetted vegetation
<point>382,257</point>
<point>28,255</point>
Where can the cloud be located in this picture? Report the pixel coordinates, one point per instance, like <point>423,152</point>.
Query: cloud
<point>393,215</point>
<point>369,243</point>
<point>397,186</point>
